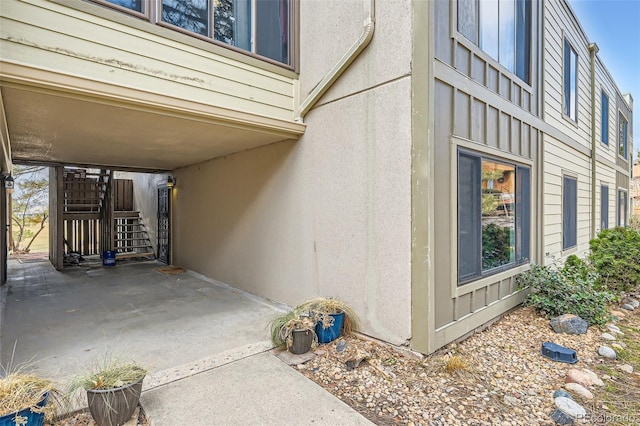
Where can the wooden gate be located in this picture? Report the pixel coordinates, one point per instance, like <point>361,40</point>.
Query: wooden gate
<point>164,224</point>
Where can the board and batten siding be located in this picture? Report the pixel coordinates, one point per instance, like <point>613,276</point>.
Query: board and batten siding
<point>480,106</point>
<point>50,36</point>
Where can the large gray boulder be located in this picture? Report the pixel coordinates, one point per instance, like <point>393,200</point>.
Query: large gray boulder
<point>569,324</point>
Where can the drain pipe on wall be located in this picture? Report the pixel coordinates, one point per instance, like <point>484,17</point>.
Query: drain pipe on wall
<point>344,62</point>
<point>593,51</point>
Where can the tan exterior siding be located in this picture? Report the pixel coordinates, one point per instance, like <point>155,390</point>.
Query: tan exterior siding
<point>53,37</point>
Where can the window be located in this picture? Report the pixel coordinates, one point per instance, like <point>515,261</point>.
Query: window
<point>569,212</point>
<point>570,82</point>
<point>494,215</point>
<point>258,26</point>
<point>604,207</point>
<point>605,119</point>
<point>622,208</point>
<point>623,126</point>
<point>502,29</point>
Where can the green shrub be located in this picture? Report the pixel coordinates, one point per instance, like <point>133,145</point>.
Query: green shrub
<point>570,290</point>
<point>615,254</point>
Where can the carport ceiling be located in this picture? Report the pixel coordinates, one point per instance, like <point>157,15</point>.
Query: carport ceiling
<point>47,126</point>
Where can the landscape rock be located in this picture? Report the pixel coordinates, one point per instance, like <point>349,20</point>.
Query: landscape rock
<point>627,368</point>
<point>577,376</point>
<point>618,314</point>
<point>619,345</point>
<point>570,407</point>
<point>631,301</point>
<point>607,352</point>
<point>628,307</point>
<point>561,392</point>
<point>569,324</point>
<point>607,336</point>
<point>579,390</point>
<point>561,418</point>
<point>595,380</point>
<point>615,329</point>
<point>511,400</point>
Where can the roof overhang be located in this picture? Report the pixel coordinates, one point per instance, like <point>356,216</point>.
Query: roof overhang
<point>53,118</point>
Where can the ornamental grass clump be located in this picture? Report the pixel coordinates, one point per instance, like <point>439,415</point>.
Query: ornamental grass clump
<point>108,373</point>
<point>20,390</point>
<point>321,308</point>
<point>283,326</point>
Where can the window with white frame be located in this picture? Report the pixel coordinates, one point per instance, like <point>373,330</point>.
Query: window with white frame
<point>604,113</point>
<point>569,212</point>
<point>502,29</point>
<point>262,27</point>
<point>570,81</point>
<point>623,134</point>
<point>494,215</point>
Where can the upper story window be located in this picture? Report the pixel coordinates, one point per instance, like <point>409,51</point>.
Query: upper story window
<point>262,27</point>
<point>605,119</point>
<point>502,29</point>
<point>623,134</point>
<point>570,81</point>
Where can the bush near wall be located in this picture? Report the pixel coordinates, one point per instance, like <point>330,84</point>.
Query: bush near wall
<point>615,254</point>
<point>572,289</point>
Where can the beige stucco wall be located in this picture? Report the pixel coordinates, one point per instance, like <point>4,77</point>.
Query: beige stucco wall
<point>329,215</point>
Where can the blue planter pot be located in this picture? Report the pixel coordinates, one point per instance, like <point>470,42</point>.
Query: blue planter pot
<point>331,333</point>
<point>18,417</point>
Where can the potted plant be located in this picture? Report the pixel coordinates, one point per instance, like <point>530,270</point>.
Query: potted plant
<point>333,318</point>
<point>293,331</point>
<point>113,390</point>
<point>25,399</point>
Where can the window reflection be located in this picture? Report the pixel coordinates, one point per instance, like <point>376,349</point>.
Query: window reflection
<point>498,214</point>
<point>192,15</point>
<point>129,4</point>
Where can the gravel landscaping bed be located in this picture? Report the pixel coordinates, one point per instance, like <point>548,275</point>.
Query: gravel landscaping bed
<point>494,377</point>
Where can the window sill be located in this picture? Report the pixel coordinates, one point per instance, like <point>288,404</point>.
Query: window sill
<point>482,282</point>
<point>570,120</point>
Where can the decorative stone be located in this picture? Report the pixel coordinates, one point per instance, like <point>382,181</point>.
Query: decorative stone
<point>563,393</point>
<point>627,368</point>
<point>631,301</point>
<point>607,336</point>
<point>628,307</point>
<point>619,345</point>
<point>579,390</point>
<point>577,376</point>
<point>561,418</point>
<point>607,352</point>
<point>595,380</point>
<point>511,400</point>
<point>618,314</point>
<point>614,329</point>
<point>570,407</point>
<point>569,324</point>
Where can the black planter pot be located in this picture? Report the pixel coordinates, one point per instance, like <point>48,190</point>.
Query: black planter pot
<point>302,341</point>
<point>114,407</point>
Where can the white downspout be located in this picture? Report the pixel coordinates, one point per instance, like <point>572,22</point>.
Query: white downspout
<point>350,55</point>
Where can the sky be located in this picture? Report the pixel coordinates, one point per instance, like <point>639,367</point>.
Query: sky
<point>614,25</point>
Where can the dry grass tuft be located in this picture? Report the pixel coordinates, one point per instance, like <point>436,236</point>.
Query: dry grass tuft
<point>456,363</point>
<point>19,391</point>
<point>108,373</point>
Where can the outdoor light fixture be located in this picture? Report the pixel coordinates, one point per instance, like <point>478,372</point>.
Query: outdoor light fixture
<point>171,181</point>
<point>8,182</point>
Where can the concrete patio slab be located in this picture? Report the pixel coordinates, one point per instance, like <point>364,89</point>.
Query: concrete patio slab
<point>63,320</point>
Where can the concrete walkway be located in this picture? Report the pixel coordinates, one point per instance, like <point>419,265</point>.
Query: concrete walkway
<point>205,344</point>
